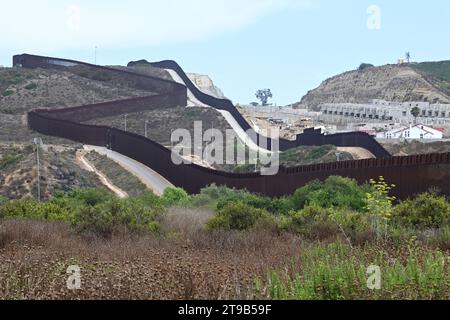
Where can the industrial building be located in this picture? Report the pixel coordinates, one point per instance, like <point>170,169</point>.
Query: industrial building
<point>377,110</point>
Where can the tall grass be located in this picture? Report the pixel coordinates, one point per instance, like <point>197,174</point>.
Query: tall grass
<point>337,272</point>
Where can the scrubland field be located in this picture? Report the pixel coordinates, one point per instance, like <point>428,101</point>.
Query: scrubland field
<point>320,243</point>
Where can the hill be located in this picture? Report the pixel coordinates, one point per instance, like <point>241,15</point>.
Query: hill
<point>429,81</point>
<point>438,73</point>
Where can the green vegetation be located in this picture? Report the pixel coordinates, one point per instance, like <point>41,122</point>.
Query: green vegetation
<point>13,157</point>
<point>174,197</point>
<point>311,155</point>
<point>335,208</point>
<point>11,78</point>
<point>438,71</point>
<point>91,211</point>
<point>341,227</point>
<point>7,93</point>
<point>335,192</point>
<point>31,86</point>
<point>337,272</point>
<point>118,175</point>
<point>364,66</point>
<point>3,200</point>
<point>238,216</point>
<point>425,211</point>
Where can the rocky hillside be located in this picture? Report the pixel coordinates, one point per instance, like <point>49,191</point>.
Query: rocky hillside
<point>415,82</point>
<point>60,171</point>
<point>205,84</point>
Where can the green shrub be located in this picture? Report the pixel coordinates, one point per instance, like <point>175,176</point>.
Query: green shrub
<point>174,197</point>
<point>303,196</point>
<point>28,208</point>
<point>23,208</point>
<point>7,93</point>
<point>105,218</point>
<point>275,206</point>
<point>315,222</point>
<point>90,197</point>
<point>97,220</point>
<point>3,200</point>
<point>424,211</point>
<point>238,216</point>
<point>9,160</point>
<point>31,86</point>
<point>319,152</point>
<point>364,66</point>
<point>335,192</point>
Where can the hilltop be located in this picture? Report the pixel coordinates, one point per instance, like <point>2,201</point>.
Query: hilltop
<point>428,81</point>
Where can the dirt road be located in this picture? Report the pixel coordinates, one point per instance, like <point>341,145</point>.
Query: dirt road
<point>103,178</point>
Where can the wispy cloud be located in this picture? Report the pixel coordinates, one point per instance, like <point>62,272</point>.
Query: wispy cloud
<point>51,24</point>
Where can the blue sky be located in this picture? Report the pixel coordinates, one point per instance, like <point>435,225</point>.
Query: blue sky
<point>290,46</point>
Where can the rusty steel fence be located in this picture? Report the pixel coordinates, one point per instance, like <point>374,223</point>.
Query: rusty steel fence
<point>411,174</point>
<point>308,138</point>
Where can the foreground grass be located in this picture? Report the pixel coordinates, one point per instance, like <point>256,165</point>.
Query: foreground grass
<point>318,243</point>
<point>337,271</point>
<point>192,263</point>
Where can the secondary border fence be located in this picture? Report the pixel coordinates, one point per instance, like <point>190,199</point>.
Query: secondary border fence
<point>309,137</point>
<point>411,174</point>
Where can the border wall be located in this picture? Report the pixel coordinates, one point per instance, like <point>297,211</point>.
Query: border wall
<point>411,174</point>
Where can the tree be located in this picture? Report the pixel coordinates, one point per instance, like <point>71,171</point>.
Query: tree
<point>264,95</point>
<point>364,66</point>
<point>415,113</point>
<point>408,57</point>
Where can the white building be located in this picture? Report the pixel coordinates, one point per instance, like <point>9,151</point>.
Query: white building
<point>417,132</point>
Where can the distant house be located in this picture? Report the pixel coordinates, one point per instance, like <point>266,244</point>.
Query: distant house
<point>417,132</point>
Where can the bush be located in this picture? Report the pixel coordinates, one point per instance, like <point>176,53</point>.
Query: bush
<point>335,192</point>
<point>364,66</point>
<point>274,206</point>
<point>31,86</point>
<point>425,211</point>
<point>105,218</point>
<point>238,216</point>
<point>319,152</point>
<point>90,197</point>
<point>10,160</point>
<point>315,222</point>
<point>28,208</point>
<point>174,196</point>
<point>7,93</point>
<point>91,211</point>
<point>3,200</point>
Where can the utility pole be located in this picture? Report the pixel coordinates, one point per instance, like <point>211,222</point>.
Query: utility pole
<point>38,142</point>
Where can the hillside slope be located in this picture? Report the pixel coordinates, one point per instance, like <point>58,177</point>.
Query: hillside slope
<point>415,82</point>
